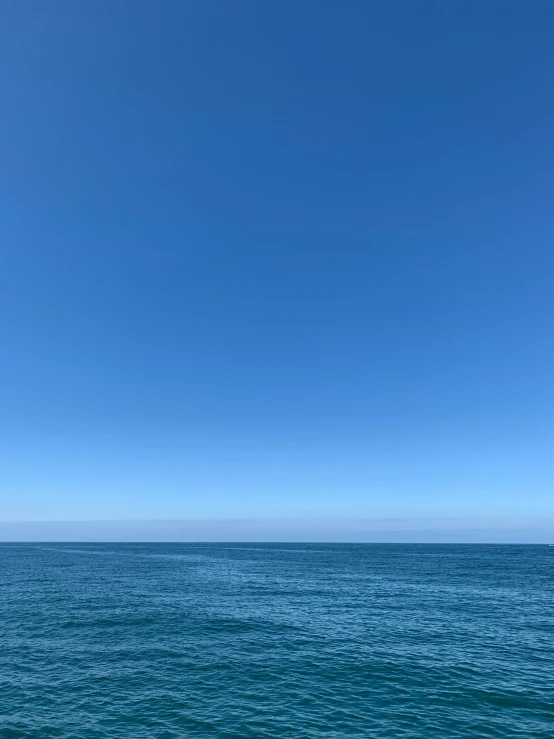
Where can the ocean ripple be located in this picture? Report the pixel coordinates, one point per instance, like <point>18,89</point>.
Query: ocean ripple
<point>190,640</point>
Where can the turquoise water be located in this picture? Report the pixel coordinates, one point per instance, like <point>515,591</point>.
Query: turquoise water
<point>213,640</point>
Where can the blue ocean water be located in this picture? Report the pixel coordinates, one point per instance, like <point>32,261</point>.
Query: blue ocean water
<point>276,640</point>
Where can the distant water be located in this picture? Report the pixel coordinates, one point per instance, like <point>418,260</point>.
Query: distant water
<point>303,641</point>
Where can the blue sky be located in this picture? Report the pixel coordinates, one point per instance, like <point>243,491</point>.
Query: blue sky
<point>286,259</point>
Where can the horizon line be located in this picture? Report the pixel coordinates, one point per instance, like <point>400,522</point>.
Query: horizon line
<point>439,530</point>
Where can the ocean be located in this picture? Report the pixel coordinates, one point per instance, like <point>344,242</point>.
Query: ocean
<point>276,640</point>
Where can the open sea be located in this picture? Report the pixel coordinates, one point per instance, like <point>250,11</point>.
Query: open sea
<point>276,640</point>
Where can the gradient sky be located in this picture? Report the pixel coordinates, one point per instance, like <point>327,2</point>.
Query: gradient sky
<point>266,259</point>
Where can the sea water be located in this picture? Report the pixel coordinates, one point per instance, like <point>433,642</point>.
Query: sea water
<point>276,640</point>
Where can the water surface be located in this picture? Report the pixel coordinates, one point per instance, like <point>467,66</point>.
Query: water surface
<point>276,640</point>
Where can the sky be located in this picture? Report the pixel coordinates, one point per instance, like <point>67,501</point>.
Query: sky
<point>276,261</point>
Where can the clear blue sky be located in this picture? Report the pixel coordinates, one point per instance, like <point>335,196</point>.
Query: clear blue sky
<point>266,259</point>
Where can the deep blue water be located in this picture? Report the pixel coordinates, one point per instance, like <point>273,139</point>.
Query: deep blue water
<point>245,640</point>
